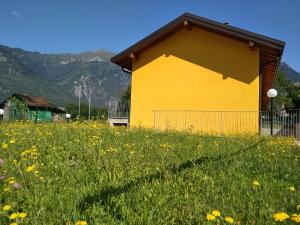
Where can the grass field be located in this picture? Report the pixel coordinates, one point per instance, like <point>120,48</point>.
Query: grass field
<point>90,174</point>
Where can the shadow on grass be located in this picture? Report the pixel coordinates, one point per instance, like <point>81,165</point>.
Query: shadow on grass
<point>104,196</point>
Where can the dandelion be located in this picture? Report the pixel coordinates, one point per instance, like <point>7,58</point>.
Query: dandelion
<point>81,222</point>
<point>13,216</point>
<point>210,217</point>
<point>216,213</point>
<point>30,168</point>
<point>4,146</point>
<point>296,218</point>
<point>11,180</point>
<point>281,216</point>
<point>22,215</point>
<point>256,183</point>
<point>6,207</point>
<point>292,188</point>
<point>6,189</point>
<point>229,219</point>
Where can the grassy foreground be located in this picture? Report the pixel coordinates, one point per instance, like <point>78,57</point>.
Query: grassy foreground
<point>90,174</point>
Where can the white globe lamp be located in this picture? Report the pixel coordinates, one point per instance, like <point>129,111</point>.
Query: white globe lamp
<point>272,93</point>
<point>68,116</point>
<point>1,114</point>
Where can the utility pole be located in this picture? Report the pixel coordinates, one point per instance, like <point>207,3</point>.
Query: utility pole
<point>79,101</point>
<point>78,93</point>
<point>89,99</point>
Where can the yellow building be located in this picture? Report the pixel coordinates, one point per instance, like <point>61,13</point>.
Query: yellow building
<point>195,73</point>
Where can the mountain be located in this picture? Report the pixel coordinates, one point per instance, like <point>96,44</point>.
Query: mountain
<point>58,76</point>
<point>291,74</point>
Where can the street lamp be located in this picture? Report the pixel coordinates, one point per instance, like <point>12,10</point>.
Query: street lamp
<point>1,114</point>
<point>272,93</point>
<point>68,116</point>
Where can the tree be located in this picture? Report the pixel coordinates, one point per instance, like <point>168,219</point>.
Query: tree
<point>126,95</point>
<point>20,106</point>
<point>288,92</point>
<point>95,113</point>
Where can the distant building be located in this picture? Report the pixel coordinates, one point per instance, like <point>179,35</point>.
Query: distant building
<point>34,108</point>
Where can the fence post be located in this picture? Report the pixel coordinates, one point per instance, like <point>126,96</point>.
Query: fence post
<point>221,122</point>
<point>154,119</point>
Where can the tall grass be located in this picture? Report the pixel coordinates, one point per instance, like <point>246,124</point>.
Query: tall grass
<point>89,172</point>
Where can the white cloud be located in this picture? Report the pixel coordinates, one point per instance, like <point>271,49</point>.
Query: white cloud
<point>14,13</point>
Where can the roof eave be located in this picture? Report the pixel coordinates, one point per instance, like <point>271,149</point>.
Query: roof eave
<point>261,41</point>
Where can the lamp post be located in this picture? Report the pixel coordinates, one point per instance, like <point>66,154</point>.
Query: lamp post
<point>68,116</point>
<point>272,93</point>
<point>1,114</point>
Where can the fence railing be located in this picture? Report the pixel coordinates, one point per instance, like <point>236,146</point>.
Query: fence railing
<point>285,122</point>
<point>118,109</point>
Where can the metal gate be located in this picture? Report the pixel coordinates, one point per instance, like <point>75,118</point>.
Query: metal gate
<point>118,112</point>
<point>285,123</point>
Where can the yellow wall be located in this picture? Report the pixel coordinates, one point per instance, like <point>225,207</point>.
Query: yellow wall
<point>194,70</point>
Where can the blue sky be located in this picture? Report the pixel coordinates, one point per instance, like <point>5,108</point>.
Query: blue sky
<point>55,26</point>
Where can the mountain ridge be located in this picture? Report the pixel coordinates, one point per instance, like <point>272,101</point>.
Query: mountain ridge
<point>56,74</point>
<point>290,73</point>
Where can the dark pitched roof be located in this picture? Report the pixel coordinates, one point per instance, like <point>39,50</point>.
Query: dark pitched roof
<point>270,49</point>
<point>38,101</point>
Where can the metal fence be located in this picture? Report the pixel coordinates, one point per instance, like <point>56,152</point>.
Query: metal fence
<point>285,122</point>
<point>118,109</point>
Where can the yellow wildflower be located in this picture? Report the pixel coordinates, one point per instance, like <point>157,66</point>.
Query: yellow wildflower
<point>12,141</point>
<point>13,216</point>
<point>22,215</point>
<point>6,207</point>
<point>296,218</point>
<point>216,213</point>
<point>210,217</point>
<point>256,183</point>
<point>81,222</point>
<point>30,168</point>
<point>229,219</point>
<point>4,146</point>
<point>11,180</point>
<point>13,224</point>
<point>281,216</point>
<point>292,188</point>
<point>6,189</point>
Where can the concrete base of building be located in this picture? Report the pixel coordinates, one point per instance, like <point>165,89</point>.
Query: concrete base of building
<point>118,122</point>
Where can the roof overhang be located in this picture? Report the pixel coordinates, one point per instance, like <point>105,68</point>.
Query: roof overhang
<point>270,49</point>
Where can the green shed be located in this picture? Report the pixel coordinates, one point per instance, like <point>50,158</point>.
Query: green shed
<point>35,108</point>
